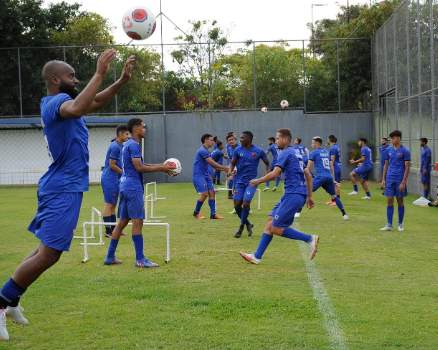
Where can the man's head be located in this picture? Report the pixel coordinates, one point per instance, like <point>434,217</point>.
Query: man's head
<point>395,137</point>
<point>207,140</point>
<point>231,139</point>
<point>246,138</point>
<point>122,133</point>
<point>271,140</point>
<point>297,141</point>
<point>332,139</point>
<point>220,145</point>
<point>362,142</point>
<point>423,141</point>
<point>384,141</point>
<point>137,128</point>
<point>60,77</point>
<point>316,142</point>
<point>283,138</point>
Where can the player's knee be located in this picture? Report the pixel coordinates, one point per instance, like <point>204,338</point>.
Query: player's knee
<point>246,205</point>
<point>277,230</point>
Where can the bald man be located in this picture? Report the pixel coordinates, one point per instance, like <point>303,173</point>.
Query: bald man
<point>60,189</point>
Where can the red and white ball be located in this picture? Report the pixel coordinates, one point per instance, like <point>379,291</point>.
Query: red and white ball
<point>177,164</point>
<point>264,109</point>
<point>284,104</point>
<point>139,23</point>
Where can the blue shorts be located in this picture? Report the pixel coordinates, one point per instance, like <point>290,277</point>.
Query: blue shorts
<point>56,219</point>
<point>363,171</point>
<point>244,192</point>
<point>131,205</point>
<point>203,184</point>
<point>338,173</point>
<point>392,189</point>
<point>110,191</point>
<point>326,183</point>
<point>284,211</point>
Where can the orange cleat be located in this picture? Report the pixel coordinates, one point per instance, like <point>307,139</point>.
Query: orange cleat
<point>199,216</point>
<point>216,217</point>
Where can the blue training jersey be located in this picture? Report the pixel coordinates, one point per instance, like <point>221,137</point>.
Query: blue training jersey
<point>67,144</point>
<point>248,162</point>
<point>200,165</point>
<point>335,151</point>
<point>397,158</point>
<point>131,179</point>
<point>230,151</point>
<point>426,158</point>
<point>383,150</point>
<point>321,160</point>
<point>218,156</point>
<point>304,152</point>
<point>274,152</point>
<point>114,152</point>
<point>365,152</point>
<point>292,165</point>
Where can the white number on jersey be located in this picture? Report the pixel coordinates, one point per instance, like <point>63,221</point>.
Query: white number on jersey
<point>326,163</point>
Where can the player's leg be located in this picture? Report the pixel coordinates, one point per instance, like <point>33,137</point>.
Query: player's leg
<point>246,208</point>
<point>390,192</point>
<point>109,216</point>
<point>264,242</point>
<point>329,187</point>
<point>110,196</point>
<point>212,201</point>
<point>354,180</point>
<point>277,183</point>
<point>110,258</point>
<point>201,187</point>
<point>230,187</point>
<point>365,186</point>
<point>401,212</point>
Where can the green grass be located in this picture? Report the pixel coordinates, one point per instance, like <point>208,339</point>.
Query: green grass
<point>384,286</point>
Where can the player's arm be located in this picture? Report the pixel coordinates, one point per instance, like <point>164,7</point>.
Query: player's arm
<point>309,185</point>
<point>266,161</point>
<point>114,167</point>
<point>332,166</point>
<point>360,160</point>
<point>151,168</point>
<point>82,103</point>
<point>232,165</point>
<point>216,165</point>
<point>105,96</point>
<point>385,170</point>
<point>268,177</point>
<point>310,165</point>
<point>405,175</point>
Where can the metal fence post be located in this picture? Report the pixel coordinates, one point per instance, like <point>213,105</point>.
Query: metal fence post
<point>338,76</point>
<point>254,76</point>
<point>408,70</point>
<point>116,99</point>
<point>64,55</point>
<point>304,78</point>
<point>432,78</point>
<point>19,82</point>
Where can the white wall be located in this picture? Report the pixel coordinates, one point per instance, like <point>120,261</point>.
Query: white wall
<point>24,158</point>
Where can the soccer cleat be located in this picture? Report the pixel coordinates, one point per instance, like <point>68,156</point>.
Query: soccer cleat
<point>146,264</point>
<point>353,193</point>
<point>386,228</point>
<point>366,198</point>
<point>400,228</point>
<point>250,258</point>
<point>198,216</point>
<point>16,314</point>
<point>216,217</point>
<point>249,228</point>
<point>4,335</point>
<point>274,189</point>
<point>297,215</point>
<point>266,189</point>
<point>329,202</point>
<point>314,246</point>
<point>239,232</point>
<point>112,261</point>
<point>346,217</point>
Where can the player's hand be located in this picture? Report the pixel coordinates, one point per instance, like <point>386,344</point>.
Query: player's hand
<point>128,68</point>
<point>383,184</point>
<point>402,187</point>
<point>254,182</point>
<point>351,161</point>
<point>310,203</point>
<point>168,167</point>
<point>104,61</point>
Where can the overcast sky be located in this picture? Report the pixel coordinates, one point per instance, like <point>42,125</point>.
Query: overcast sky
<point>242,19</point>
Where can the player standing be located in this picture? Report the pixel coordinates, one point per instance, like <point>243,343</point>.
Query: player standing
<point>297,192</point>
<point>218,156</point>
<point>425,167</point>
<point>335,163</point>
<point>111,173</point>
<point>246,159</point>
<point>131,206</point>
<point>61,188</point>
<point>364,170</point>
<point>231,147</point>
<point>383,150</point>
<point>395,179</point>
<point>274,152</point>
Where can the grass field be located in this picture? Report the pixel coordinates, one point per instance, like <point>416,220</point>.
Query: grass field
<point>383,286</point>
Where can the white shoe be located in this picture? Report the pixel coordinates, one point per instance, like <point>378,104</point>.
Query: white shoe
<point>386,228</point>
<point>400,228</point>
<point>233,211</point>
<point>4,335</point>
<point>266,189</point>
<point>16,314</point>
<point>250,258</point>
<point>314,246</point>
<point>367,198</point>
<point>297,215</point>
<point>346,217</point>
<point>274,189</point>
<point>353,193</point>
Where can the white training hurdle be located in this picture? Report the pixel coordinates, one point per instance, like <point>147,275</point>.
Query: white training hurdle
<point>150,198</point>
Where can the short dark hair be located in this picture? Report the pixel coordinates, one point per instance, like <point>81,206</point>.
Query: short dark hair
<point>249,134</point>
<point>424,139</point>
<point>133,123</point>
<point>333,138</point>
<point>229,135</point>
<point>215,139</point>
<point>120,129</point>
<point>219,143</point>
<point>205,136</point>
<point>271,139</point>
<point>364,140</point>
<point>395,133</point>
<point>317,139</point>
<point>299,139</point>
<point>385,138</point>
<point>285,133</point>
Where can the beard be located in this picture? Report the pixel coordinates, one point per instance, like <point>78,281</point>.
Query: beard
<point>72,91</point>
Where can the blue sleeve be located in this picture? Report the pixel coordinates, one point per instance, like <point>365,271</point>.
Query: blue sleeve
<point>282,160</point>
<point>236,153</point>
<point>363,152</point>
<point>51,110</point>
<point>407,155</point>
<point>114,152</point>
<point>204,153</point>
<point>332,152</point>
<point>135,150</point>
<point>312,156</point>
<point>264,156</point>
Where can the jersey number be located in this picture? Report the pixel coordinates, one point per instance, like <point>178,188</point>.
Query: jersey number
<point>326,163</point>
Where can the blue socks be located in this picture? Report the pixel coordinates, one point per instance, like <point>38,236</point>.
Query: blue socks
<point>244,216</point>
<point>426,193</point>
<point>401,214</point>
<point>10,294</point>
<point>108,228</point>
<point>277,181</point>
<point>111,254</point>
<point>355,188</point>
<point>138,245</point>
<point>263,244</point>
<point>212,205</point>
<point>389,214</point>
<point>267,184</point>
<point>340,205</point>
<point>297,235</point>
<point>198,206</point>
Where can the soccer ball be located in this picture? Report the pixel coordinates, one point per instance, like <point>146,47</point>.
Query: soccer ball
<point>284,104</point>
<point>139,23</point>
<point>177,164</point>
<point>264,109</point>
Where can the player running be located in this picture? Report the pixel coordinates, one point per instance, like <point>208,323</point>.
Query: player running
<point>297,192</point>
<point>111,173</point>
<point>131,206</point>
<point>202,180</point>
<point>395,179</point>
<point>274,152</point>
<point>324,172</point>
<point>364,170</point>
<point>335,163</point>
<point>246,158</point>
